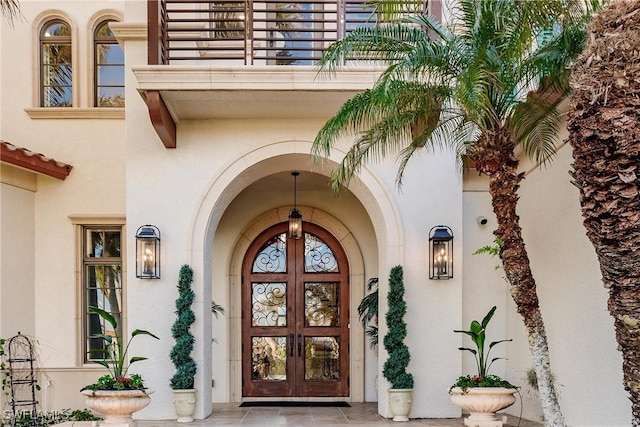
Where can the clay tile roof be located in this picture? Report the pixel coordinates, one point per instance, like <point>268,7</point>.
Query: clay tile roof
<point>35,162</point>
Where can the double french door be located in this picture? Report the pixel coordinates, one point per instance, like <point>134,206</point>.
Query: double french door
<point>295,315</point>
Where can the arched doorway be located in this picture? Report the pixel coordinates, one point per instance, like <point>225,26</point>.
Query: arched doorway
<point>295,315</point>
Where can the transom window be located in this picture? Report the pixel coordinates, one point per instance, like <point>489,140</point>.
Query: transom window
<point>102,283</point>
<point>109,68</point>
<point>56,73</point>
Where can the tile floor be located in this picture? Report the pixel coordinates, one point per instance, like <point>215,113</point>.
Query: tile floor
<point>362,414</point>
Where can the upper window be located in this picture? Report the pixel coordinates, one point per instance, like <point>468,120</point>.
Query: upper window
<point>102,283</point>
<point>109,68</point>
<point>55,65</point>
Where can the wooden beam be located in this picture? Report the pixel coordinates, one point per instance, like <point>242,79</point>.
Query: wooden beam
<point>161,118</point>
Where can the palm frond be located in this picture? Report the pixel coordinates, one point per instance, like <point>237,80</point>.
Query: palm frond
<point>454,87</point>
<point>10,10</point>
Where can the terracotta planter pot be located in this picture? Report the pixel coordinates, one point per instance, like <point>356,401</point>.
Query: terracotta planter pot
<point>482,403</point>
<point>117,405</point>
<point>400,403</point>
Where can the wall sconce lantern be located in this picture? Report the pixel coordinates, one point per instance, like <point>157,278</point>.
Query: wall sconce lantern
<point>148,252</point>
<point>440,253</point>
<point>295,217</point>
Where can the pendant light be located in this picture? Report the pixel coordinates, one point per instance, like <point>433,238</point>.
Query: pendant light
<point>295,217</point>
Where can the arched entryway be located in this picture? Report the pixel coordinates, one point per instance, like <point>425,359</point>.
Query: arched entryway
<point>295,322</point>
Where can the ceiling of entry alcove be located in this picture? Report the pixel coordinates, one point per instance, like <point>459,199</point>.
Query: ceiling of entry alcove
<point>276,190</point>
<point>283,181</point>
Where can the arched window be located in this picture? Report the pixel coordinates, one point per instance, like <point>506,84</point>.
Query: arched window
<point>56,73</point>
<point>109,68</point>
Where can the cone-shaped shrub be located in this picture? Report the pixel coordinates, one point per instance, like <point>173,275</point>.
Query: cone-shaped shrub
<point>181,352</point>
<point>394,369</point>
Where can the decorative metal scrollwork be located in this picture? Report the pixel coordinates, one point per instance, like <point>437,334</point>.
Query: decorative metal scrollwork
<point>321,358</point>
<point>269,304</point>
<point>318,256</point>
<point>321,304</point>
<point>272,258</point>
<point>269,358</point>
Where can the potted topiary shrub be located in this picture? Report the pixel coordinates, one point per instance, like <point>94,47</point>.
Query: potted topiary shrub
<point>482,394</point>
<point>182,382</point>
<point>394,369</point>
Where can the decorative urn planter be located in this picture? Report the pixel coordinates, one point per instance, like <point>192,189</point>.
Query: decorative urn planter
<point>117,405</point>
<point>482,403</point>
<point>400,403</point>
<point>184,402</point>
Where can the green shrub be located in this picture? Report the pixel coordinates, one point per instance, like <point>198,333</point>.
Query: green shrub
<point>394,369</point>
<point>180,355</point>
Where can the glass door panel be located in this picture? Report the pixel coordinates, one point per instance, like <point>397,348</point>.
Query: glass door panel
<point>269,358</point>
<point>322,359</point>
<point>321,304</point>
<point>269,304</point>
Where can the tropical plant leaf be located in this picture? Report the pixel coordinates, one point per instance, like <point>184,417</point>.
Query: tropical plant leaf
<point>105,315</point>
<point>143,332</point>
<point>488,317</point>
<point>498,342</point>
<point>107,338</point>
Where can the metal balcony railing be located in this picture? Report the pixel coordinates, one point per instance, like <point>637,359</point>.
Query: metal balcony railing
<point>248,32</point>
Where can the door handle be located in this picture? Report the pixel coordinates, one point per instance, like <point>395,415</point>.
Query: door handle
<point>291,344</point>
<point>299,345</point>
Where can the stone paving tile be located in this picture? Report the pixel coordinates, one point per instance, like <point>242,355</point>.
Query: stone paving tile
<point>360,414</point>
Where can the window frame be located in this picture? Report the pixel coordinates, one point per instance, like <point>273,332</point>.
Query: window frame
<point>82,223</point>
<point>98,40</point>
<point>55,40</point>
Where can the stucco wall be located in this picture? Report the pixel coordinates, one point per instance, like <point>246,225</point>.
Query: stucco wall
<point>17,256</point>
<point>584,356</point>
<point>224,157</point>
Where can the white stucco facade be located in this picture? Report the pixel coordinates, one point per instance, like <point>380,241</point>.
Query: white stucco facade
<point>229,179</point>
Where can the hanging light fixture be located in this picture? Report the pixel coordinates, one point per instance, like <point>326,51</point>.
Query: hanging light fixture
<point>440,252</point>
<point>295,217</point>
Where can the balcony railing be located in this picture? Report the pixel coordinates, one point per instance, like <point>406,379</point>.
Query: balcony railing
<point>266,32</point>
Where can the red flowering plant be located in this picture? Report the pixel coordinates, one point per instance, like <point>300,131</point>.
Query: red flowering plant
<point>477,332</point>
<point>114,354</point>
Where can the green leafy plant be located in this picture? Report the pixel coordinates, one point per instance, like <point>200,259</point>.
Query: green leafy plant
<point>184,377</point>
<point>477,333</point>
<point>83,415</point>
<point>4,372</point>
<point>394,369</point>
<point>493,250</point>
<point>368,312</point>
<point>114,357</point>
<point>216,310</point>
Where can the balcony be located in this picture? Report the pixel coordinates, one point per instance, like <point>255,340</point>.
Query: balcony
<point>250,59</point>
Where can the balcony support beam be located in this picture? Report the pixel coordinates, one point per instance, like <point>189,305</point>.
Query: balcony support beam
<point>161,118</point>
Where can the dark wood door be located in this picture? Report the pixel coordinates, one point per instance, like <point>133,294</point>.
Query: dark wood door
<point>295,315</point>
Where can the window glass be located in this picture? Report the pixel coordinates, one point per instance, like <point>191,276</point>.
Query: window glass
<point>109,68</point>
<point>55,65</point>
<point>102,283</point>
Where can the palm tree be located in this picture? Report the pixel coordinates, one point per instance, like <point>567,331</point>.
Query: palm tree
<point>604,132</point>
<point>486,86</point>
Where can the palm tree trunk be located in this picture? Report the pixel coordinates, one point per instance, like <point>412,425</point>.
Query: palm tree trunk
<point>503,187</point>
<point>604,130</point>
